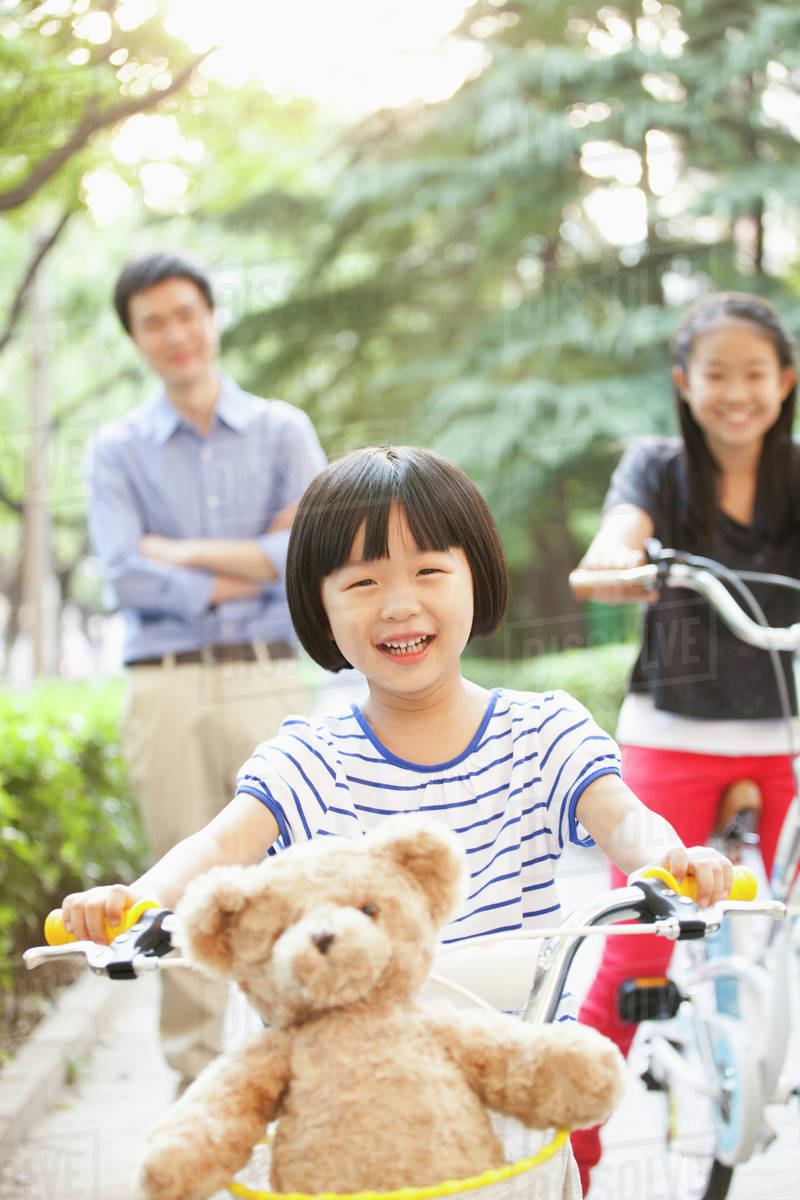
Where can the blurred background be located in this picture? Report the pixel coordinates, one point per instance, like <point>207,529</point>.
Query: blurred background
<point>472,226</point>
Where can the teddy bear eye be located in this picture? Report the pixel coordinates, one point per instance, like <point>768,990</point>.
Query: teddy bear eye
<point>370,909</point>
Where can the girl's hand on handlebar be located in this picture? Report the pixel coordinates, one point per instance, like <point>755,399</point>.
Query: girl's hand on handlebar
<point>85,913</point>
<point>606,557</point>
<point>712,872</point>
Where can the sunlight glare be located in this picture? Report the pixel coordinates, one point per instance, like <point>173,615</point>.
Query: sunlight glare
<point>107,196</point>
<point>620,213</point>
<point>354,55</point>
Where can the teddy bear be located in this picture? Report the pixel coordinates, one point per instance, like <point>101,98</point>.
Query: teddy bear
<point>372,1089</point>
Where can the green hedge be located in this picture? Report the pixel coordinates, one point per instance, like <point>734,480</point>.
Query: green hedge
<point>67,818</point>
<point>596,676</point>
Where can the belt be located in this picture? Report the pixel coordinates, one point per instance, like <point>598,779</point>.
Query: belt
<point>227,653</point>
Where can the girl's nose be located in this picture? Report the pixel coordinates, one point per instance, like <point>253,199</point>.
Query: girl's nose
<point>399,604</point>
<point>736,387</point>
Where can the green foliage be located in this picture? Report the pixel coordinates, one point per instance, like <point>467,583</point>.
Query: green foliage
<point>67,819</point>
<point>460,291</point>
<point>596,675</point>
<point>69,76</point>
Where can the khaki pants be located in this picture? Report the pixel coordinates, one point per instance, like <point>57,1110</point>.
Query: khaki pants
<point>186,731</point>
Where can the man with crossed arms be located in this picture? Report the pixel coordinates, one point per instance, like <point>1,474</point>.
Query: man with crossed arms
<point>190,498</point>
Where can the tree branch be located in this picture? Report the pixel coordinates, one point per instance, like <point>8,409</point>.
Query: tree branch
<point>43,248</point>
<point>8,501</point>
<point>91,123</point>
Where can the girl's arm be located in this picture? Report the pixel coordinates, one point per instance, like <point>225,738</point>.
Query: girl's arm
<point>241,833</point>
<point>619,543</point>
<point>633,837</point>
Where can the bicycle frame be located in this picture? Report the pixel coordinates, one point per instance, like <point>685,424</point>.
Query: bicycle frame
<point>734,1058</point>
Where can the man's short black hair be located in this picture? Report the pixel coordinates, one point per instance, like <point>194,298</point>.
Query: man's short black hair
<point>146,270</point>
<point>443,508</point>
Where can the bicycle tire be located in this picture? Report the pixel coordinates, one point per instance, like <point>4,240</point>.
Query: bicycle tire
<point>694,1173</point>
<point>719,1181</point>
<point>705,1135</point>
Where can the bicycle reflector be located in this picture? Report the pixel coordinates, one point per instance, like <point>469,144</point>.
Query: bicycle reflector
<point>648,999</point>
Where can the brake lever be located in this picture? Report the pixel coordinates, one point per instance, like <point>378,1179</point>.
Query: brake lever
<point>662,903</point>
<point>131,952</point>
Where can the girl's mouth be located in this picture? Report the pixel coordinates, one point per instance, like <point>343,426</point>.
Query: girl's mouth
<point>409,649</point>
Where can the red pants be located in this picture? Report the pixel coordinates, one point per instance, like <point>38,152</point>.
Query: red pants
<point>685,788</point>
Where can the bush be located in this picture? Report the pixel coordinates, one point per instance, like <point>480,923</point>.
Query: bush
<point>597,676</point>
<point>67,818</point>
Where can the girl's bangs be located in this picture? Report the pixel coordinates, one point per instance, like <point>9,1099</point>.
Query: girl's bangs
<point>371,507</point>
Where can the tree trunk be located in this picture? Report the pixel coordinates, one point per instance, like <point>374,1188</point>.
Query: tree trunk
<point>39,588</point>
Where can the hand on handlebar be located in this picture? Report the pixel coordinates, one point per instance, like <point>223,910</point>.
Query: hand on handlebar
<point>611,558</point>
<point>700,872</point>
<point>97,914</point>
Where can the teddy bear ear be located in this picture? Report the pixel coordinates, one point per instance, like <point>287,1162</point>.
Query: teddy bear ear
<point>207,915</point>
<point>430,853</point>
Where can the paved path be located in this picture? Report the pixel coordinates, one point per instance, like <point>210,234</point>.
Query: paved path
<point>85,1148</point>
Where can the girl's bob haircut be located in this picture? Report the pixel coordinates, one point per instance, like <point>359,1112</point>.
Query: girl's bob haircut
<point>443,508</point>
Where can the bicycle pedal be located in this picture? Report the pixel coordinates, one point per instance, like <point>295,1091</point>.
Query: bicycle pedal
<point>648,999</point>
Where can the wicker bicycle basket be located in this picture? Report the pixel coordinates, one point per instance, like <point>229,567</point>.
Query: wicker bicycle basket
<point>544,1175</point>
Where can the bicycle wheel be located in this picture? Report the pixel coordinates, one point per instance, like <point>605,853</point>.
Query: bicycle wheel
<point>711,1123</point>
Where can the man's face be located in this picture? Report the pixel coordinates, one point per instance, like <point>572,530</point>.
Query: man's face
<point>174,329</point>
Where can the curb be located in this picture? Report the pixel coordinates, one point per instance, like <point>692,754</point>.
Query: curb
<point>32,1081</point>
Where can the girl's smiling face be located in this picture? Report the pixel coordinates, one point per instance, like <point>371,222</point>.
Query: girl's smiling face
<point>403,621</point>
<point>734,385</point>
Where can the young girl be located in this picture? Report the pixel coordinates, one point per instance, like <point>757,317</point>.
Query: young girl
<point>703,708</point>
<point>394,564</point>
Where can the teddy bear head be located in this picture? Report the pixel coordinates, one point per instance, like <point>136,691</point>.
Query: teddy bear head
<point>326,924</point>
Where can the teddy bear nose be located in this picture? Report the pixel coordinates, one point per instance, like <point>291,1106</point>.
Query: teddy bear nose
<point>323,941</point>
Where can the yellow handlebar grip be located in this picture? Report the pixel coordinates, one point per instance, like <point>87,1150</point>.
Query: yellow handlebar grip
<point>745,884</point>
<point>56,935</point>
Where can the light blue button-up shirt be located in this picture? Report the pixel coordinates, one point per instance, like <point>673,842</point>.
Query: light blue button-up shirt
<point>150,471</point>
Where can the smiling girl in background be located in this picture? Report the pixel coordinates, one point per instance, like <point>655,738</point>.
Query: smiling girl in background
<point>703,708</point>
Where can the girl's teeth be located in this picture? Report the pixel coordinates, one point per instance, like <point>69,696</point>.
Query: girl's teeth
<point>405,647</point>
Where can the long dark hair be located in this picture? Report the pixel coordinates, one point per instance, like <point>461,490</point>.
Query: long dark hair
<point>773,493</point>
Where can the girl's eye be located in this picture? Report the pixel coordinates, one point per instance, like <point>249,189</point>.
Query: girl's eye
<point>371,910</point>
<point>360,583</point>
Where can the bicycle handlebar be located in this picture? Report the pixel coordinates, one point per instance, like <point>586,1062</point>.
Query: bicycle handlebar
<point>651,897</point>
<point>55,933</point>
<point>744,886</point>
<point>697,579</point>
<point>144,940</point>
<point>145,943</point>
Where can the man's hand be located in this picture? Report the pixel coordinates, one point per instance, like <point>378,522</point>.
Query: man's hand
<point>283,519</point>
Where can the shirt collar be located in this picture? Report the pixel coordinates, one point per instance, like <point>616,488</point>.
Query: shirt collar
<point>231,406</point>
<point>228,409</point>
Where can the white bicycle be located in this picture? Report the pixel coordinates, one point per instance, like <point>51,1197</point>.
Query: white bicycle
<point>539,1172</point>
<point>717,1051</point>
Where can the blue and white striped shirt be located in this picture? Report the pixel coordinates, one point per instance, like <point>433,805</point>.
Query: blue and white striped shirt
<point>510,797</point>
